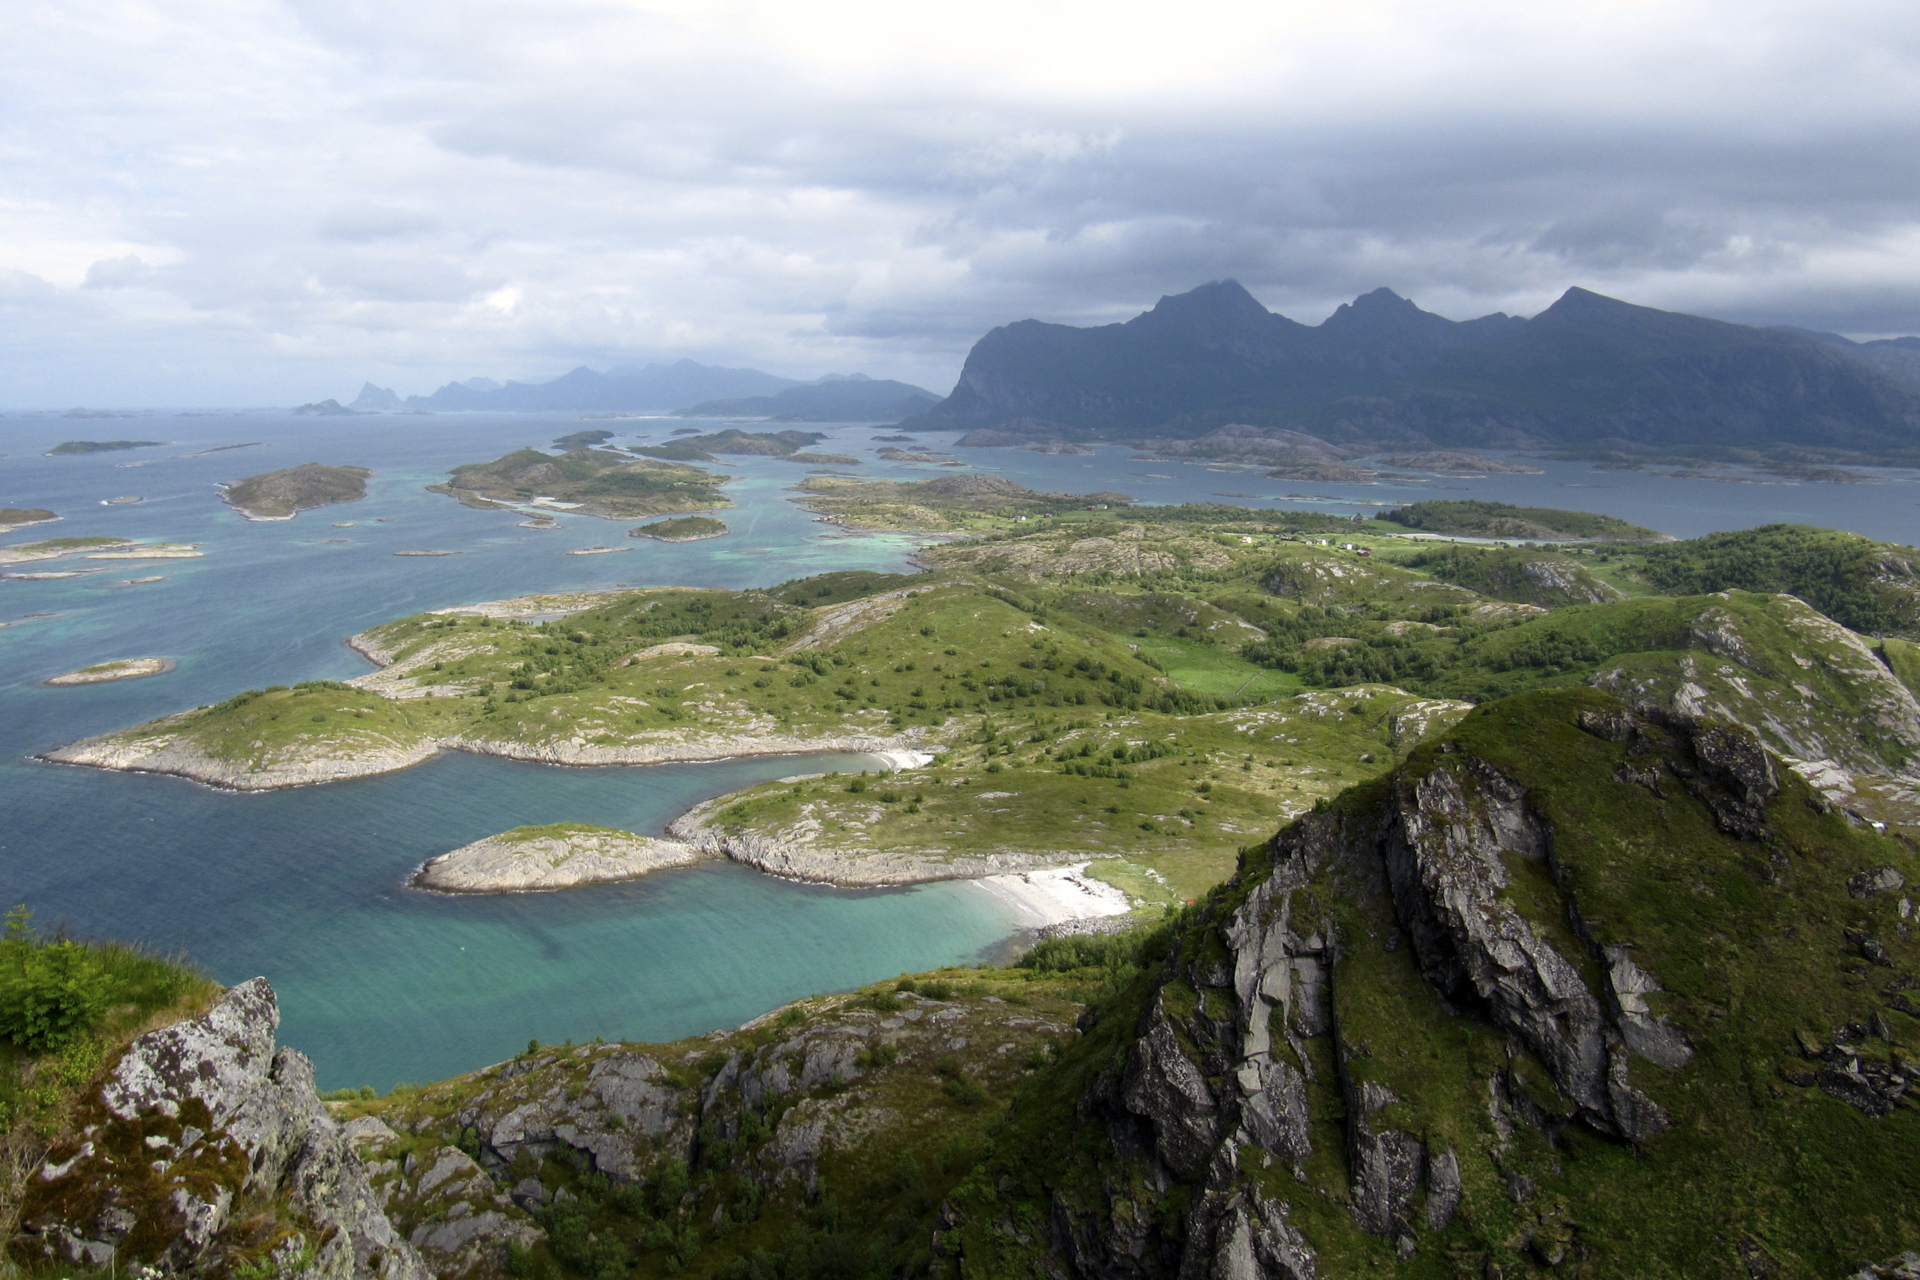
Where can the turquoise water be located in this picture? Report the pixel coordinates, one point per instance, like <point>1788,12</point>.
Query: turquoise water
<point>381,983</point>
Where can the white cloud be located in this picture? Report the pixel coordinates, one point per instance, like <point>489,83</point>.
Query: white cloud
<point>268,200</point>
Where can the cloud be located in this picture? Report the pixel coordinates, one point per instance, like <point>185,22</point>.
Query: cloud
<point>270,200</point>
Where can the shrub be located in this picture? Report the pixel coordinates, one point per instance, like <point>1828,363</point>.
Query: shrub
<point>50,993</point>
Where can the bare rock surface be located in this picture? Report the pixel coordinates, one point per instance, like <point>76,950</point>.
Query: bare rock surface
<point>192,1121</point>
<point>534,858</point>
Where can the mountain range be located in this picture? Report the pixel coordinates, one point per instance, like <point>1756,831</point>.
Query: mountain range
<point>1588,373</point>
<point>657,386</point>
<point>709,390</point>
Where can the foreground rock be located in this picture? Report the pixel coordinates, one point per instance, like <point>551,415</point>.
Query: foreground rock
<point>553,857</point>
<point>206,1151</point>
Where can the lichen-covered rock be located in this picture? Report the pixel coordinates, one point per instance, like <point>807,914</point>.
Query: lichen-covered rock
<point>193,1118</point>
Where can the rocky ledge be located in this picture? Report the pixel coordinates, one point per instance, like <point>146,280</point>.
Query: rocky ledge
<point>554,857</point>
<point>206,1151</point>
<point>165,753</point>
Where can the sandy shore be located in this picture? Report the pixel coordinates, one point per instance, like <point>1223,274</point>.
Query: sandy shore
<point>1055,895</point>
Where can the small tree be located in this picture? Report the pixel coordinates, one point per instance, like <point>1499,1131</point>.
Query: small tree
<point>50,992</point>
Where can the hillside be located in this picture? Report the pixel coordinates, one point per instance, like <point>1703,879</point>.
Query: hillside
<point>1589,372</point>
<point>281,495</point>
<point>1571,990</point>
<point>595,482</point>
<point>1478,519</point>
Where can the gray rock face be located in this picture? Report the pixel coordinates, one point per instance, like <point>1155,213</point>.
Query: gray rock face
<point>192,1118</point>
<point>1221,1069</point>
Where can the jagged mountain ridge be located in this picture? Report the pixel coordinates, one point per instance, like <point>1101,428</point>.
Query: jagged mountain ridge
<point>1380,370</point>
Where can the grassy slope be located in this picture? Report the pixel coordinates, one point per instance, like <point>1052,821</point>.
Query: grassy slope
<point>1479,519</point>
<point>1749,941</point>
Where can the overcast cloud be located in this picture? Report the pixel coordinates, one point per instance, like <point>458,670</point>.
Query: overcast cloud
<point>266,201</point>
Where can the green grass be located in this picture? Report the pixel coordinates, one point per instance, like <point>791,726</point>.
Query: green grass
<point>1475,518</point>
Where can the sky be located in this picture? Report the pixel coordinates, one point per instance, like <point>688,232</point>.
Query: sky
<point>259,202</point>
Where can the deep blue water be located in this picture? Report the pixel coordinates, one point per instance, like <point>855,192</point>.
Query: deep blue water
<point>381,983</point>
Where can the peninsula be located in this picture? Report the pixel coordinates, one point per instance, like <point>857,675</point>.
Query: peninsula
<point>560,855</point>
<point>595,482</point>
<point>1173,678</point>
<point>281,495</point>
<point>948,504</point>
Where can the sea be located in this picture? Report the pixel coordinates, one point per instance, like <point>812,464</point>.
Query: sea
<point>380,983</point>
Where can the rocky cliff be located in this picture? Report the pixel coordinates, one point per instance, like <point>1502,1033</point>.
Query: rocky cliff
<point>1489,1016</point>
<point>205,1150</point>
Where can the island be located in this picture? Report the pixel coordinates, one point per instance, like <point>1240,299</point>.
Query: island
<point>594,482</point>
<point>1476,519</point>
<point>119,669</point>
<point>54,548</point>
<point>944,505</point>
<point>681,529</point>
<point>101,446</point>
<point>559,855</point>
<point>12,518</point>
<point>1454,462</point>
<point>281,495</point>
<point>766,444</point>
<point>1173,676</point>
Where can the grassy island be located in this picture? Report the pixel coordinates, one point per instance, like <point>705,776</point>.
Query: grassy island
<point>948,504</point>
<point>596,482</point>
<point>1172,677</point>
<point>281,495</point>
<point>681,529</point>
<point>19,517</point>
<point>101,446</point>
<point>1473,518</point>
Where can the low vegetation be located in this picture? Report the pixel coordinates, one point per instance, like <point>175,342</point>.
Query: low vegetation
<point>1478,519</point>
<point>66,1007</point>
<point>680,529</point>
<point>596,482</point>
<point>279,494</point>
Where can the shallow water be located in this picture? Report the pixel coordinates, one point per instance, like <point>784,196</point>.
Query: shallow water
<point>381,983</point>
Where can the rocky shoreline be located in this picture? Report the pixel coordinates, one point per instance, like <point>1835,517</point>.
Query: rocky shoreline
<point>119,669</point>
<point>846,868</point>
<point>534,859</point>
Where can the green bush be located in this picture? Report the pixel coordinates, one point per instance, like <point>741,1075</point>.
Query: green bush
<point>50,992</point>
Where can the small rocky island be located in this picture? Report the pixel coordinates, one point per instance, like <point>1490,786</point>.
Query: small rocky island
<point>683,529</point>
<point>557,856</point>
<point>118,669</point>
<point>281,495</point>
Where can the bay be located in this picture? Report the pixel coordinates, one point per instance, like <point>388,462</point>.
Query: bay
<point>381,983</point>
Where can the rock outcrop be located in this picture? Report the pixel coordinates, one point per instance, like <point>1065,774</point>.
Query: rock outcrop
<point>206,1148</point>
<point>535,858</point>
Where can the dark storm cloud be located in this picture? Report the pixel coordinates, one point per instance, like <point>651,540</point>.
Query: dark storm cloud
<point>297,195</point>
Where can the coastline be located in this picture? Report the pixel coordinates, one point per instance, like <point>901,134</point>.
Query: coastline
<point>1056,896</point>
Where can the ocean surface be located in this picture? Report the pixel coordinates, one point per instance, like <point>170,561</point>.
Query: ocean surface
<point>380,983</point>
